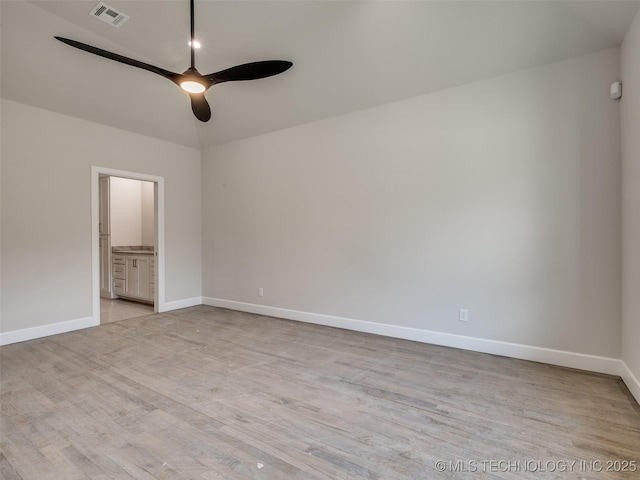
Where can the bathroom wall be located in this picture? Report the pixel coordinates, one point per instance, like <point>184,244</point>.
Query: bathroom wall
<point>132,212</point>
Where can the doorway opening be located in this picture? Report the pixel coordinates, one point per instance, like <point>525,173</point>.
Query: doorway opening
<point>128,244</point>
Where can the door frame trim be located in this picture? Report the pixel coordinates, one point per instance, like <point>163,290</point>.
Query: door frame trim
<point>96,171</point>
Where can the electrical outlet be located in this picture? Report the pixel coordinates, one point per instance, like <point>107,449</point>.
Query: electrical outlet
<point>261,292</point>
<point>464,315</point>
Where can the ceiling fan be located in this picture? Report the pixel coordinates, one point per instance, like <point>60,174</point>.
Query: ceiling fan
<point>192,81</point>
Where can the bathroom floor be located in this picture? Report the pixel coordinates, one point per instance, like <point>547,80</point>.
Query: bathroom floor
<point>118,309</point>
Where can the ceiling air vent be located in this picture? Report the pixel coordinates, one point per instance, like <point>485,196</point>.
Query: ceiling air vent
<point>108,15</point>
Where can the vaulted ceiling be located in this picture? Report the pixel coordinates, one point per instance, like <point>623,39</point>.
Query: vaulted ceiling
<point>347,56</point>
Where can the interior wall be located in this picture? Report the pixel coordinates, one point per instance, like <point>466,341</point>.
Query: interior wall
<point>630,112</point>
<point>501,197</point>
<point>126,211</point>
<point>46,211</point>
<point>148,214</point>
<point>132,212</point>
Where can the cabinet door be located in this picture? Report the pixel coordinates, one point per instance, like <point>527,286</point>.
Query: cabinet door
<point>138,277</point>
<point>104,226</point>
<point>144,278</point>
<point>131,284</point>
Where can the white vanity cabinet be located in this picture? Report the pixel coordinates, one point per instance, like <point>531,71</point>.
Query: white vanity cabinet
<point>119,274</point>
<point>138,277</point>
<point>133,276</point>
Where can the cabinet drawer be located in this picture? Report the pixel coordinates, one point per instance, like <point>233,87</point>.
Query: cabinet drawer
<point>118,260</point>
<point>118,286</point>
<point>118,271</point>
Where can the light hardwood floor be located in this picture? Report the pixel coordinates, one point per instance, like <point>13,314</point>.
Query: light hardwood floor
<point>207,393</point>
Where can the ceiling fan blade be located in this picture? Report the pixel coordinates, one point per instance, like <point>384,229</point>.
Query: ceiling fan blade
<point>200,107</point>
<point>174,77</point>
<point>250,71</point>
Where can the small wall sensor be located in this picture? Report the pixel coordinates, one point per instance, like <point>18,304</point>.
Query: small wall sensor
<point>615,91</point>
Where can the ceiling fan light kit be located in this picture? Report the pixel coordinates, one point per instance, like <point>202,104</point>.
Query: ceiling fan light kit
<point>192,86</point>
<point>192,81</point>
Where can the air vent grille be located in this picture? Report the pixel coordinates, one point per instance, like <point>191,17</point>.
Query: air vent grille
<point>109,15</point>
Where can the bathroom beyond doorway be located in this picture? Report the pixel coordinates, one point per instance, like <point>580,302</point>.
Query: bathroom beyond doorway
<point>126,223</point>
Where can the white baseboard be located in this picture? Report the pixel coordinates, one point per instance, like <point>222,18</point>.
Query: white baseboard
<point>32,333</point>
<point>561,358</point>
<point>184,303</point>
<point>632,382</point>
<point>581,361</point>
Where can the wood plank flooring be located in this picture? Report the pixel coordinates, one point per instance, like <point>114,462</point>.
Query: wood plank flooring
<point>207,393</point>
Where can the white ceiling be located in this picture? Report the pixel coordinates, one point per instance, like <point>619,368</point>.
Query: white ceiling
<point>347,56</point>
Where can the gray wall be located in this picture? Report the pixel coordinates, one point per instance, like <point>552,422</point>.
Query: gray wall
<point>630,106</point>
<point>500,196</point>
<point>46,211</point>
<point>132,212</point>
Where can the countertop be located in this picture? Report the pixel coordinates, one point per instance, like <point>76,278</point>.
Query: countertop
<point>133,250</point>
